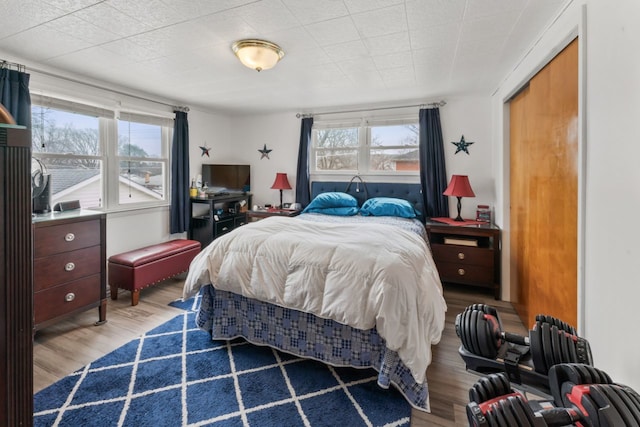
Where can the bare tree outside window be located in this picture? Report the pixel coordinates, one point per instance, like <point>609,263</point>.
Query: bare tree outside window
<point>61,132</point>
<point>337,149</point>
<point>391,148</point>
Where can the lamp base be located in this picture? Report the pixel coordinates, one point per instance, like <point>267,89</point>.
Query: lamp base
<point>459,218</point>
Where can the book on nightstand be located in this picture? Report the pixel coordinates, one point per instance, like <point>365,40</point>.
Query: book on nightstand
<point>462,242</point>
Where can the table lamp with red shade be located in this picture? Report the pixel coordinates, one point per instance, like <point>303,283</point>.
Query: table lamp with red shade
<point>281,183</point>
<point>459,187</point>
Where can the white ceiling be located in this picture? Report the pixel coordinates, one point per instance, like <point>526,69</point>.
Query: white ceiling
<point>337,52</point>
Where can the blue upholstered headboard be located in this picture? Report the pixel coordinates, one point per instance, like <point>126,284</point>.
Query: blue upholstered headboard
<point>409,192</point>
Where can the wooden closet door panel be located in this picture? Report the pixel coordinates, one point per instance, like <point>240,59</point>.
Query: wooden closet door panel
<point>544,190</point>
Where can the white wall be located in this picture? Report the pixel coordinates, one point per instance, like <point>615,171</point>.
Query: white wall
<point>212,131</point>
<point>281,133</point>
<point>471,117</point>
<point>134,229</point>
<point>609,108</point>
<point>612,291</point>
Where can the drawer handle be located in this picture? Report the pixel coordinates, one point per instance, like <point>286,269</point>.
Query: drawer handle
<point>461,271</point>
<point>69,237</point>
<point>69,266</point>
<point>69,297</point>
<point>460,255</point>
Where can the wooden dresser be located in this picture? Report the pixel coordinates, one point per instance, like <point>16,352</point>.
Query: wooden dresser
<point>69,265</point>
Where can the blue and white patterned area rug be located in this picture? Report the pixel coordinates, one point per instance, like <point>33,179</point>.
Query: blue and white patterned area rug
<point>174,375</point>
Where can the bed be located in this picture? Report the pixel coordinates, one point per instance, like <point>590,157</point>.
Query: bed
<point>349,290</point>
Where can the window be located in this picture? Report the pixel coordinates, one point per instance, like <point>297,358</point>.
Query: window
<point>103,162</point>
<point>336,149</point>
<point>389,146</point>
<point>142,161</point>
<point>394,148</point>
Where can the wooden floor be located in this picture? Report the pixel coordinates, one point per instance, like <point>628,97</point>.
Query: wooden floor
<point>69,345</point>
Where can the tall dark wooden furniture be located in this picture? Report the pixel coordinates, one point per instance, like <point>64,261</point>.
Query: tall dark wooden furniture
<point>16,291</point>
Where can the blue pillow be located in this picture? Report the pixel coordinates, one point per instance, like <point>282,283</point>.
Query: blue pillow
<point>333,199</point>
<point>388,206</point>
<point>340,211</point>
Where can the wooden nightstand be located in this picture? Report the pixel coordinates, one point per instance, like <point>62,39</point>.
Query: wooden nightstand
<point>256,215</point>
<point>468,255</point>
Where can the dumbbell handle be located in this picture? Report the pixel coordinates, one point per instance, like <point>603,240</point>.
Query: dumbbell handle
<point>514,338</point>
<point>560,416</point>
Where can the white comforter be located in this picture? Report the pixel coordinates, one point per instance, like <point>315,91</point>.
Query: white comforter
<point>362,275</point>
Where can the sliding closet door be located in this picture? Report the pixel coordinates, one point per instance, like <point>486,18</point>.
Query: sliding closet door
<point>544,191</point>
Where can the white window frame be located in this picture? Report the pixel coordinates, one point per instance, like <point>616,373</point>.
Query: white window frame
<point>364,147</point>
<point>108,149</point>
<point>113,160</point>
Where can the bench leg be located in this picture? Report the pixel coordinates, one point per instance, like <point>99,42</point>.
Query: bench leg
<point>135,297</point>
<point>113,292</point>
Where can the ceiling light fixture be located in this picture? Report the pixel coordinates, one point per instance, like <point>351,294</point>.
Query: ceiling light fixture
<point>257,54</point>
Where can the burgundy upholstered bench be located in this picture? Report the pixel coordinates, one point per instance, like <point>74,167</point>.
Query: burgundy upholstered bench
<point>147,266</point>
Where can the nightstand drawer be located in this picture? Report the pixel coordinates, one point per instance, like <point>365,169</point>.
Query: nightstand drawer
<point>67,298</point>
<point>65,267</point>
<point>465,273</point>
<point>462,254</point>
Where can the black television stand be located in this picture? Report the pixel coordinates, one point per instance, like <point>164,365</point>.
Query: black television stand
<point>217,214</point>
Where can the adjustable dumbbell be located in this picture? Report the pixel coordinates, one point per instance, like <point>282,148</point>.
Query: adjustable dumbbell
<point>550,341</point>
<point>601,401</point>
<point>583,395</point>
<point>494,403</point>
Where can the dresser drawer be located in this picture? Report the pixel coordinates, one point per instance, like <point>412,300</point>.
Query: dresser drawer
<point>65,267</point>
<point>66,298</point>
<point>465,273</point>
<point>462,254</point>
<point>66,237</point>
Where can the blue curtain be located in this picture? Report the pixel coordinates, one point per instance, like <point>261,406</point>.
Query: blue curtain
<point>303,191</point>
<point>14,95</point>
<point>433,173</point>
<point>179,211</point>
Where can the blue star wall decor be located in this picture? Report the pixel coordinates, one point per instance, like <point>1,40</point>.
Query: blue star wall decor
<point>462,145</point>
<point>265,152</point>
<point>205,150</point>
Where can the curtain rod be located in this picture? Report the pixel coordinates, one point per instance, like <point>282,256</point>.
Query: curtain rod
<point>9,65</point>
<point>440,103</point>
<point>22,68</point>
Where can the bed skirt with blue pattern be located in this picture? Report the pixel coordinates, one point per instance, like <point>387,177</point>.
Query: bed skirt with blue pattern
<point>226,315</point>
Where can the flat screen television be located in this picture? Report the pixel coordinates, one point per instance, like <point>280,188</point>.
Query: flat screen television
<point>227,178</point>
